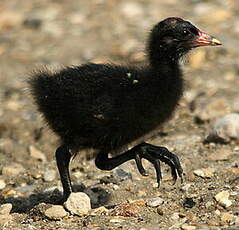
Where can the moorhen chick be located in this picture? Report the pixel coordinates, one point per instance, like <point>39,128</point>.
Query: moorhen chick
<point>110,107</point>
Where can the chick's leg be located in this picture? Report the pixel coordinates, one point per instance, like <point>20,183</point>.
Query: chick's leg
<point>63,157</point>
<point>152,153</point>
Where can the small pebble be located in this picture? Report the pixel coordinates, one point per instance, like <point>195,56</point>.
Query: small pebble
<point>204,172</point>
<point>78,203</point>
<point>12,170</point>
<point>160,211</point>
<point>208,204</point>
<point>117,219</point>
<point>187,227</point>
<point>154,202</point>
<point>225,129</point>
<point>217,212</point>
<point>99,211</point>
<point>56,212</point>
<point>5,209</point>
<point>175,216</point>
<point>49,175</point>
<point>37,154</point>
<point>223,199</point>
<point>2,184</point>
<point>186,187</point>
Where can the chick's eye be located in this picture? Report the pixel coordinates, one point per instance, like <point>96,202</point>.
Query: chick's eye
<point>186,32</point>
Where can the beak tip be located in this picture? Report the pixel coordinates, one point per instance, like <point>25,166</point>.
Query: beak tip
<point>216,42</point>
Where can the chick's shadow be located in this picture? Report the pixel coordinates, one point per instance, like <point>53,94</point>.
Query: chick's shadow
<point>97,194</point>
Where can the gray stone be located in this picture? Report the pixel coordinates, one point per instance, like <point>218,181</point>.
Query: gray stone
<point>154,202</point>
<point>49,175</point>
<point>78,204</point>
<point>26,188</point>
<point>54,189</point>
<point>122,174</point>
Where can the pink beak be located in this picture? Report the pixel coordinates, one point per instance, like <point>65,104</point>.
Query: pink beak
<point>204,39</point>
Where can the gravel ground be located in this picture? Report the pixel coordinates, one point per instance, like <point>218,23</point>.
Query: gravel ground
<point>55,33</point>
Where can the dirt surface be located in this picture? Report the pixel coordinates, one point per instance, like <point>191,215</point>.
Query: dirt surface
<point>56,33</point>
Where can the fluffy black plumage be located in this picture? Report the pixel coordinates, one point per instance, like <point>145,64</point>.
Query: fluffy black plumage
<point>107,107</point>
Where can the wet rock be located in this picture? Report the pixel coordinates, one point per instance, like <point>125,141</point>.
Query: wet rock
<point>154,202</point>
<point>2,184</point>
<point>49,175</point>
<point>204,172</point>
<point>223,199</point>
<point>56,212</point>
<point>13,170</point>
<point>225,129</point>
<point>189,203</point>
<point>37,154</point>
<point>5,209</point>
<point>78,204</point>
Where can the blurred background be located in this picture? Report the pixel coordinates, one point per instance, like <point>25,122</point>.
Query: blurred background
<point>55,33</point>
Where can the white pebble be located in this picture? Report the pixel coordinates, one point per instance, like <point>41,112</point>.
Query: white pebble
<point>223,199</point>
<point>225,128</point>
<point>154,202</point>
<point>2,184</point>
<point>78,204</point>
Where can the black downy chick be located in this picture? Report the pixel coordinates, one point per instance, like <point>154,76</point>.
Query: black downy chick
<point>107,107</point>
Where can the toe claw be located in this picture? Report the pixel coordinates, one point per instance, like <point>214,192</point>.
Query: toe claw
<point>140,165</point>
